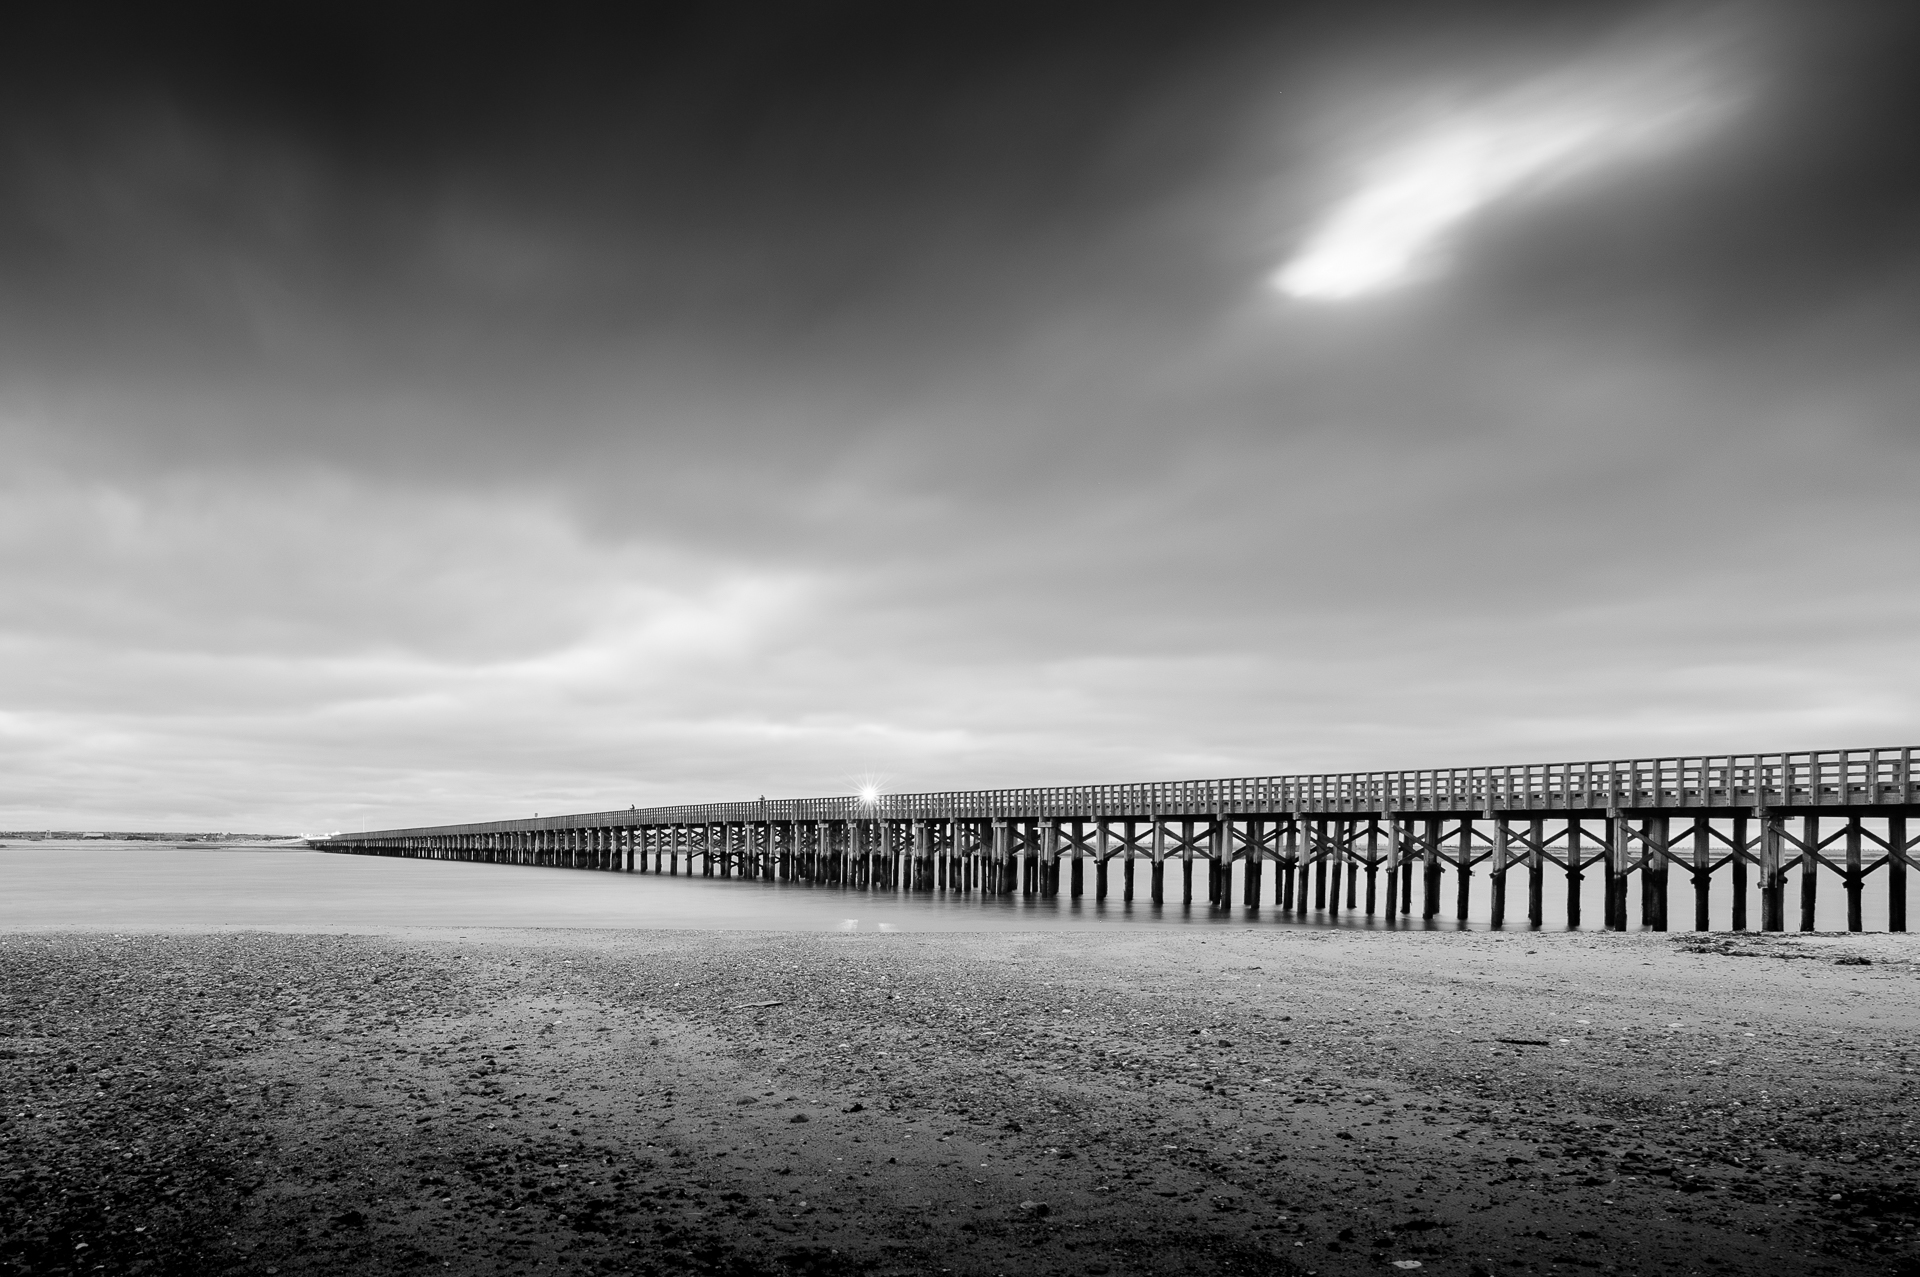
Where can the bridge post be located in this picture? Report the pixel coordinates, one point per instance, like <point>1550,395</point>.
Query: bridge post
<point>1102,833</point>
<point>1702,872</point>
<point>1373,860</point>
<point>1536,871</point>
<point>1318,855</point>
<point>1497,876</point>
<point>1077,880</point>
<point>1186,868</point>
<point>1338,874</point>
<point>1286,865</point>
<point>1739,858</point>
<point>1296,853</point>
<point>1855,877</point>
<point>1220,840</point>
<point>1773,905</point>
<point>1430,899</point>
<point>1256,852</point>
<point>1607,871</point>
<point>1219,866</point>
<point>1897,860</point>
<point>1463,864</point>
<point>1623,867</point>
<point>1809,862</point>
<point>1659,862</point>
<point>1410,855</point>
<point>1353,861</point>
<point>1393,864</point>
<point>1576,870</point>
<point>1157,886</point>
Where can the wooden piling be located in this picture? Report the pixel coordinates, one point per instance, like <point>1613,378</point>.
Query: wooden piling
<point>1899,856</point>
<point>1373,861</point>
<point>1497,874</point>
<point>1393,864</point>
<point>1576,871</point>
<point>1855,880</point>
<point>1809,868</point>
<point>1463,866</point>
<point>1338,857</point>
<point>1740,855</point>
<point>1773,888</point>
<point>1657,872</point>
<point>1160,861</point>
<point>1536,871</point>
<point>1256,854</point>
<point>1320,865</point>
<point>1430,861</point>
<point>1609,910</point>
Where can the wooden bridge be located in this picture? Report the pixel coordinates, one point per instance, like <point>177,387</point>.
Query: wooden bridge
<point>1762,818</point>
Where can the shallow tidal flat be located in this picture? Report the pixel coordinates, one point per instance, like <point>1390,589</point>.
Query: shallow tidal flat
<point>1087,1102</point>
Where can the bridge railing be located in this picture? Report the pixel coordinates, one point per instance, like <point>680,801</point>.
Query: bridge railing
<point>1816,778</point>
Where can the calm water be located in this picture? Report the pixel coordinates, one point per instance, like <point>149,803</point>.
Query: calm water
<point>159,886</point>
<point>147,886</point>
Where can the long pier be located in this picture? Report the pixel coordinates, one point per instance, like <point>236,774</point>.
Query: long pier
<point>1297,843</point>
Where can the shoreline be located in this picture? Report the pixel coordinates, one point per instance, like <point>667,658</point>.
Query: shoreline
<point>1213,1100</point>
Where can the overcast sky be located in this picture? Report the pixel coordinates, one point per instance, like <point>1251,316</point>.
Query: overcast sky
<point>459,412</point>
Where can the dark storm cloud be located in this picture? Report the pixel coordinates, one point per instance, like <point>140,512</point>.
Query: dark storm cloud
<point>472,401</point>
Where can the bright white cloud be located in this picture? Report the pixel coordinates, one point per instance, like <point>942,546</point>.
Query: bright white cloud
<point>1450,162</point>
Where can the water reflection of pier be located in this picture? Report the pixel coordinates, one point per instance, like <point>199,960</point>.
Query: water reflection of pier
<point>1378,842</point>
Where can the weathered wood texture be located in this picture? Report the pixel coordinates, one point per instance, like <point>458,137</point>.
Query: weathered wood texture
<point>1735,812</point>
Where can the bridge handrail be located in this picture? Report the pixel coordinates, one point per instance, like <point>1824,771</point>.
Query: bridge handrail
<point>1838,777</point>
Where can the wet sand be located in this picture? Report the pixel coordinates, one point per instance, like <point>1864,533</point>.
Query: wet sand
<point>1086,1102</point>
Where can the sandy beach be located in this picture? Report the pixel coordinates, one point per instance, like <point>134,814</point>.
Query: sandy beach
<point>1090,1102</point>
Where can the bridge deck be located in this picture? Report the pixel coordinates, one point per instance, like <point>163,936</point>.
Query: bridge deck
<point>1732,812</point>
<point>1843,778</point>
